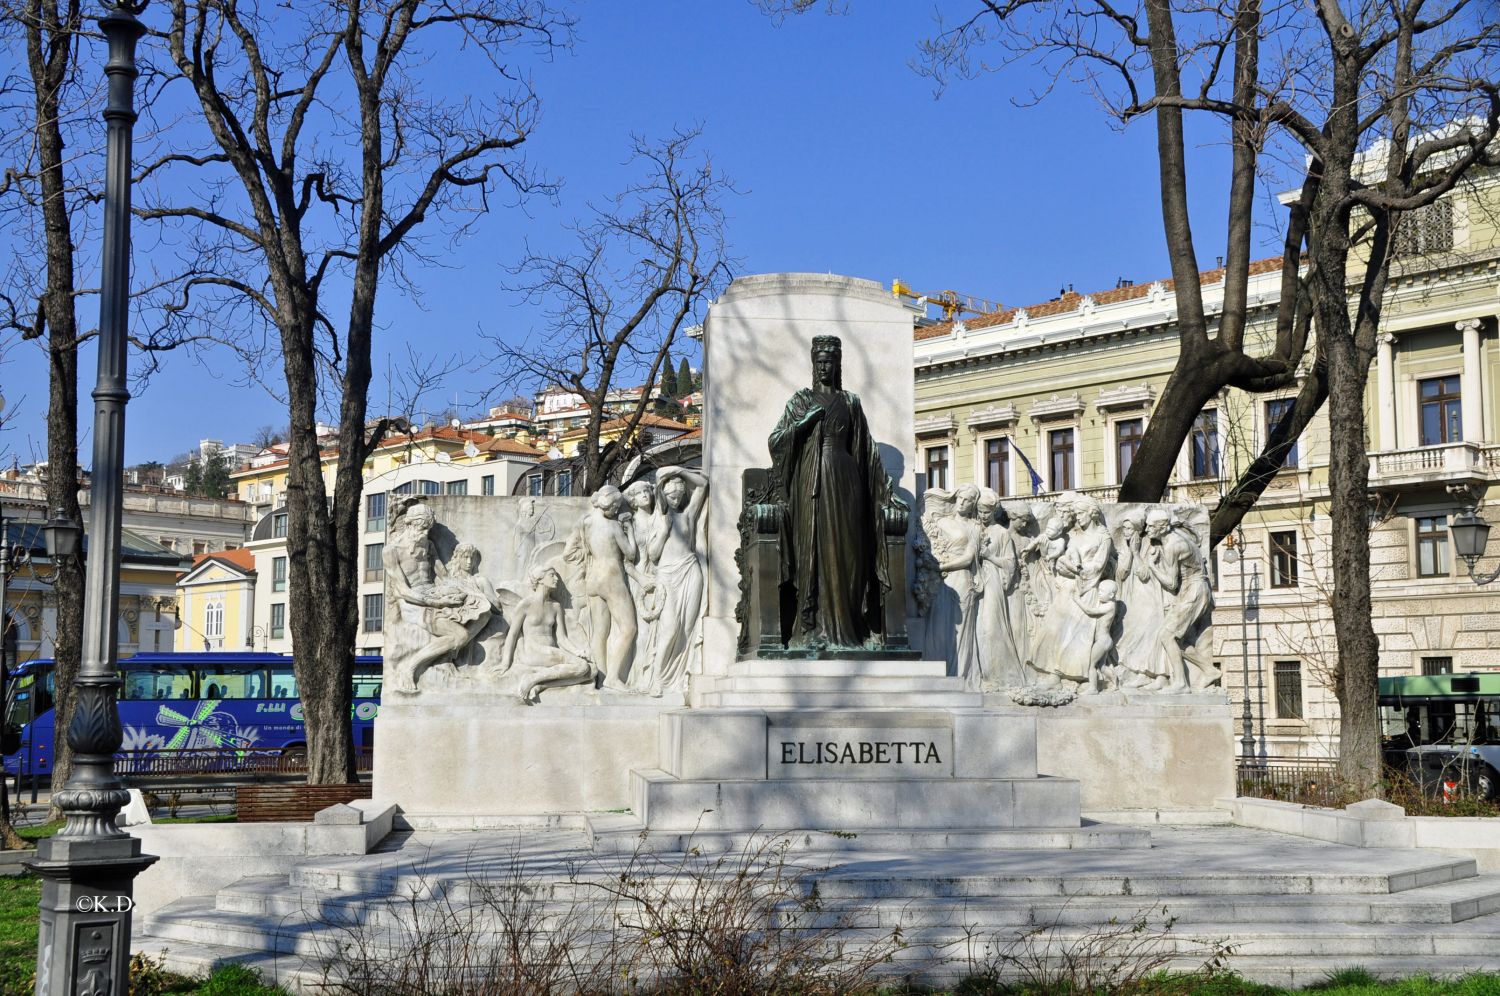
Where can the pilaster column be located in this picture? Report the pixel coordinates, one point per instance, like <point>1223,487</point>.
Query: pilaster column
<point>1471,400</point>
<point>1385,390</point>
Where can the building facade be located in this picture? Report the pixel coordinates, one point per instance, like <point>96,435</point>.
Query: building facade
<point>1057,397</point>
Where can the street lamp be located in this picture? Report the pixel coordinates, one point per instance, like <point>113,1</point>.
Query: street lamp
<point>1470,533</point>
<point>88,868</point>
<point>1235,544</point>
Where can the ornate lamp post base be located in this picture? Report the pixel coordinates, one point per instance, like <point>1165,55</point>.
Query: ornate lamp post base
<point>85,913</point>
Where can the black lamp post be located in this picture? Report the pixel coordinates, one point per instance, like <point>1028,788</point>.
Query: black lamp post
<point>1470,533</point>
<point>87,869</point>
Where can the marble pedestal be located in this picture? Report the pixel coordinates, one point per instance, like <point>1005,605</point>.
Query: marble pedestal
<point>871,753</point>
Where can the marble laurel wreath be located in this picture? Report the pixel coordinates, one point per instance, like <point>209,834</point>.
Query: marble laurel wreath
<point>609,588</point>
<point>1065,597</point>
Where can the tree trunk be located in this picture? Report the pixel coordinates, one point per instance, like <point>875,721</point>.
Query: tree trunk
<point>49,48</point>
<point>320,612</point>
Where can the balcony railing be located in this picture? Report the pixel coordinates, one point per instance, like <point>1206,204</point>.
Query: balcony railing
<point>1443,463</point>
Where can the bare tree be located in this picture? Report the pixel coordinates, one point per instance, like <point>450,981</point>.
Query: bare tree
<point>1379,107</point>
<point>330,143</point>
<point>41,194</point>
<point>643,271</point>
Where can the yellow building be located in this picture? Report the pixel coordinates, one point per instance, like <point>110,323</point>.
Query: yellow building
<point>1068,386</point>
<point>650,431</point>
<point>216,602</point>
<point>148,594</point>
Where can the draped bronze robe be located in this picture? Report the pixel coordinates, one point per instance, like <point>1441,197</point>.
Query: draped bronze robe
<point>834,489</point>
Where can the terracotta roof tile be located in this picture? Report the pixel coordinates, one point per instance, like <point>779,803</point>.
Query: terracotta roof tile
<point>241,558</point>
<point>1070,301</point>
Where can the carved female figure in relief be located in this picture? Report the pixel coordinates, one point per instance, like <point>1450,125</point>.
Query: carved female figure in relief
<point>1141,610</point>
<point>538,640</point>
<point>672,549</point>
<point>952,525</point>
<point>646,519</point>
<point>1065,645</point>
<point>999,578</point>
<point>1187,599</point>
<point>599,548</point>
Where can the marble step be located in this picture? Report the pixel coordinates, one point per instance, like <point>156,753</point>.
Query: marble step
<point>666,803</point>
<point>938,875</point>
<point>1448,903</point>
<point>622,833</point>
<point>192,958</point>
<point>325,936</point>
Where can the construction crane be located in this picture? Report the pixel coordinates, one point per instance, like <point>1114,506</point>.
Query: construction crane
<point>951,302</point>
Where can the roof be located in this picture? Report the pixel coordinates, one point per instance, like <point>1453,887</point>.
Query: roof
<point>648,421</point>
<point>441,433</point>
<point>240,557</point>
<point>497,444</point>
<point>134,548</point>
<point>1070,301</point>
<point>241,561</point>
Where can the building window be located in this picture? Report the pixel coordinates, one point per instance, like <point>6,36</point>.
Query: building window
<point>374,561</point>
<point>565,482</point>
<point>487,484</point>
<point>1425,230</point>
<point>408,488</point>
<point>937,466</point>
<point>375,513</point>
<point>458,487</point>
<point>1276,410</point>
<point>374,613</point>
<point>534,484</point>
<point>278,620</point>
<point>1288,676</point>
<point>213,621</point>
<point>1437,665</point>
<point>431,488</point>
<point>1441,414</point>
<point>1432,547</point>
<point>278,574</point>
<point>997,465</point>
<point>1284,560</point>
<point>199,547</point>
<point>1060,456</point>
<point>1128,433</point>
<point>278,525</point>
<point>1205,443</point>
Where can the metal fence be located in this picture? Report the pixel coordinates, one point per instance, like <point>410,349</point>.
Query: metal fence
<point>226,765</point>
<point>1310,782</point>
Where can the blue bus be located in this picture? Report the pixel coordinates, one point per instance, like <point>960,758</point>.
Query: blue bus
<point>242,708</point>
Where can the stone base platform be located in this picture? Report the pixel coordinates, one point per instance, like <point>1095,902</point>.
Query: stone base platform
<point>1292,909</point>
<point>869,750</point>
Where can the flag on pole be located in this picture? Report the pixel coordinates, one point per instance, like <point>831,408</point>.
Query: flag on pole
<point>1036,479</point>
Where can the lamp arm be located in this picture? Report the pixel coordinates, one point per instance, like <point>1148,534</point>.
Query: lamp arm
<point>1483,579</point>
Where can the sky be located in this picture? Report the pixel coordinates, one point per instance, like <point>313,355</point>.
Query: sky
<point>845,160</point>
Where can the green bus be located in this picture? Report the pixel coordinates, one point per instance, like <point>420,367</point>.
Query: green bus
<point>1445,712</point>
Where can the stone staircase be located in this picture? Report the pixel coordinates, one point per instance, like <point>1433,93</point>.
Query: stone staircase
<point>1291,910</point>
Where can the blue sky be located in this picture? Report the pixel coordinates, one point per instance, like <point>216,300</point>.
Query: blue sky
<point>845,160</point>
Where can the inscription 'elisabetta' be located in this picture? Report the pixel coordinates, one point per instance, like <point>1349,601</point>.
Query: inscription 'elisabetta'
<point>860,752</point>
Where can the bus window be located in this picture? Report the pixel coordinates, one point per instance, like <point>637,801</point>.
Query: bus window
<point>283,683</point>
<point>231,681</point>
<point>158,681</point>
<point>366,686</point>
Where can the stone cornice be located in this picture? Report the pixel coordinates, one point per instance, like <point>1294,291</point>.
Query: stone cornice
<point>1006,414</point>
<point>935,425</point>
<point>1055,407</point>
<point>1125,396</point>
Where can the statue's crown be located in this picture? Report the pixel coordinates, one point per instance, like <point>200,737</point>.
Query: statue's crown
<point>827,344</point>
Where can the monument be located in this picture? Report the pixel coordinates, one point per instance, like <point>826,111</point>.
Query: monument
<point>775,642</point>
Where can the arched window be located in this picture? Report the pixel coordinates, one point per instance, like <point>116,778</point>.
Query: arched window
<point>213,623</point>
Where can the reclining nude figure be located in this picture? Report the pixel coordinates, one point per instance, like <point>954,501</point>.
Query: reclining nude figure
<point>538,641</point>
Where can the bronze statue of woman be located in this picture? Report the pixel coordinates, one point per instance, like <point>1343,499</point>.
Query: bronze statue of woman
<point>835,494</point>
